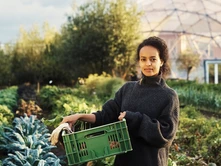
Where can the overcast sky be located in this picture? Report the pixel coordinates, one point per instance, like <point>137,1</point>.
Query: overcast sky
<point>26,13</point>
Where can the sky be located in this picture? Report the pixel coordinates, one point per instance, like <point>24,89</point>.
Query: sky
<point>26,13</point>
<point>15,14</point>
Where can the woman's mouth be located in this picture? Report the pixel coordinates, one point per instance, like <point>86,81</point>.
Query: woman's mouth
<point>148,69</point>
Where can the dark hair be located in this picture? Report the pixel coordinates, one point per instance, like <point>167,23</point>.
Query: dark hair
<point>161,46</point>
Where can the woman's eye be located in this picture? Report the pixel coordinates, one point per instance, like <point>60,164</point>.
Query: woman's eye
<point>142,60</point>
<point>153,59</point>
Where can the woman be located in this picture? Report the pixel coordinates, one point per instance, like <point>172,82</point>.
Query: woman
<point>150,107</point>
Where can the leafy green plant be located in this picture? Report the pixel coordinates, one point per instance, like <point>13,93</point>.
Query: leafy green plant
<point>27,143</point>
<point>190,112</point>
<point>66,105</point>
<point>49,94</point>
<point>198,139</point>
<point>213,142</point>
<point>32,157</point>
<point>9,97</point>
<point>202,96</point>
<point>104,86</point>
<point>6,115</point>
<point>28,132</point>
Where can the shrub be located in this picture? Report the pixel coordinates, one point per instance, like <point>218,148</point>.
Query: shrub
<point>6,115</point>
<point>49,94</point>
<point>104,86</point>
<point>67,105</point>
<point>202,96</point>
<point>198,139</point>
<point>9,97</point>
<point>190,112</point>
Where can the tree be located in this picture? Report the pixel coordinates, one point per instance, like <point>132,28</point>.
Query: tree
<point>5,68</point>
<point>187,60</point>
<point>125,29</point>
<point>101,37</point>
<point>32,61</point>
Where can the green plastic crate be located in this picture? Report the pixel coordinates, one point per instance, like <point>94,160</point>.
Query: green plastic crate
<point>98,142</point>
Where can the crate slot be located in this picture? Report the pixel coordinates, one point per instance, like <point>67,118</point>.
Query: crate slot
<point>96,134</point>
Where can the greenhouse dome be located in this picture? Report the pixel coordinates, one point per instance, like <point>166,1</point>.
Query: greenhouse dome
<point>186,24</point>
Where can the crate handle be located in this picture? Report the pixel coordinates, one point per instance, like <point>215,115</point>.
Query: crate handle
<point>95,134</point>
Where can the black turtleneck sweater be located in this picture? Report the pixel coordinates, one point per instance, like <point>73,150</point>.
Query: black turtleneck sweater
<point>152,112</point>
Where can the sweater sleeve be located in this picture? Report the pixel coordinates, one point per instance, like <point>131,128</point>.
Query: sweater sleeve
<point>110,112</point>
<point>156,132</point>
<point>111,109</point>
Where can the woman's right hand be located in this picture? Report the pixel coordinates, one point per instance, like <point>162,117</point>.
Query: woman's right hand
<point>71,119</point>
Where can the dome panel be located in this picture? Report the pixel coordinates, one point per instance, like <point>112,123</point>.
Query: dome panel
<point>200,18</point>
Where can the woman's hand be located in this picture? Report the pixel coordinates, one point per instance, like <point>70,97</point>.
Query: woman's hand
<point>72,119</point>
<point>122,115</point>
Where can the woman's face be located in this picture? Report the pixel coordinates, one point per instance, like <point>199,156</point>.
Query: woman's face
<point>149,61</point>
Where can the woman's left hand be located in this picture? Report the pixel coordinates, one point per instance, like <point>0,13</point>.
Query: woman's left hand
<point>122,115</point>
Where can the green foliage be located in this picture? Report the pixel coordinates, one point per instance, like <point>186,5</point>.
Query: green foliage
<point>27,143</point>
<point>63,102</point>
<point>187,60</point>
<point>32,60</point>
<point>8,97</point>
<point>103,86</point>
<point>5,120</point>
<point>32,157</point>
<point>198,139</point>
<point>213,142</point>
<point>190,112</point>
<point>6,115</point>
<point>86,99</point>
<point>202,96</point>
<point>103,34</point>
<point>67,105</point>
<point>5,68</point>
<point>28,132</point>
<point>48,95</point>
<point>197,142</point>
<point>125,28</point>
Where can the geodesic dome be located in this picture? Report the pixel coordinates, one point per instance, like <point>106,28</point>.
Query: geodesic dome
<point>192,24</point>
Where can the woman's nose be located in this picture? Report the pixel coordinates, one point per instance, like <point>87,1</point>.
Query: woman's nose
<point>148,63</point>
